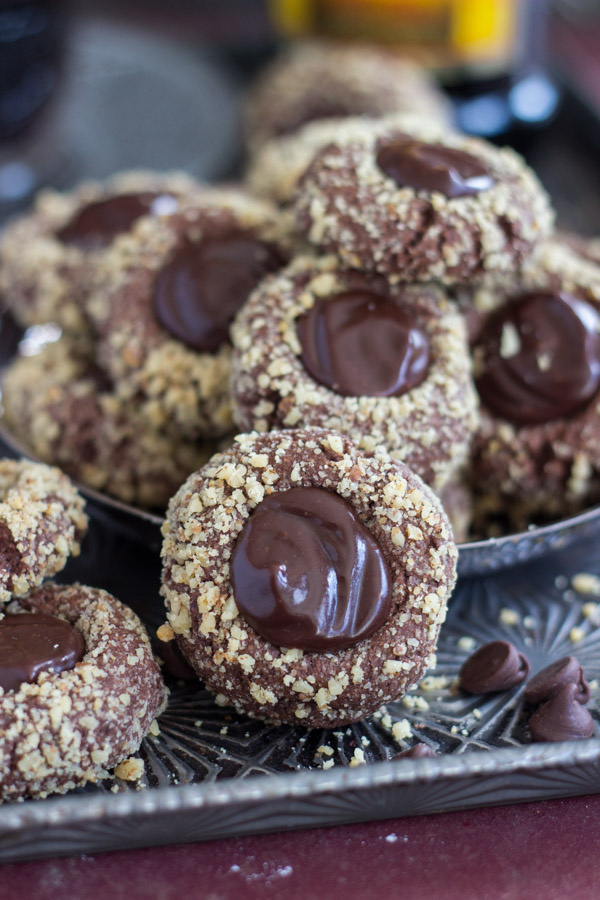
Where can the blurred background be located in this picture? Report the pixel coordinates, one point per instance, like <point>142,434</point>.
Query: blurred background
<point>89,87</point>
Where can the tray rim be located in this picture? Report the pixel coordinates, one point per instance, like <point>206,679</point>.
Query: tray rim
<point>79,809</point>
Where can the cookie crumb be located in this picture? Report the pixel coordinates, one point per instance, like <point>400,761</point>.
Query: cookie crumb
<point>324,750</point>
<point>401,730</point>
<point>328,764</point>
<point>508,616</point>
<point>415,702</point>
<point>466,643</point>
<point>435,683</point>
<point>576,634</point>
<point>358,758</point>
<point>590,610</point>
<point>165,633</point>
<point>130,769</point>
<point>586,583</point>
<point>154,729</point>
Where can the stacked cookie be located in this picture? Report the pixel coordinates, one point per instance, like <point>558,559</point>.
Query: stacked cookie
<point>79,687</point>
<point>354,295</point>
<point>143,275</point>
<point>404,209</point>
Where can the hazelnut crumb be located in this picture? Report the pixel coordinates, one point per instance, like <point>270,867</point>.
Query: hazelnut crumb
<point>130,769</point>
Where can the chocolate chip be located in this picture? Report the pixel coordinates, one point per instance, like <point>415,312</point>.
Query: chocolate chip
<point>202,286</point>
<point>417,751</point>
<point>546,683</point>
<point>97,224</point>
<point>433,167</point>
<point>562,718</point>
<point>31,643</point>
<point>362,344</point>
<point>540,358</point>
<point>175,662</point>
<point>497,666</point>
<point>308,574</point>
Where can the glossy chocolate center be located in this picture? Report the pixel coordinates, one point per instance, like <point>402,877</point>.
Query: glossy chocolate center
<point>308,574</point>
<point>433,167</point>
<point>199,291</point>
<point>97,224</point>
<point>540,358</point>
<point>361,344</point>
<point>31,643</point>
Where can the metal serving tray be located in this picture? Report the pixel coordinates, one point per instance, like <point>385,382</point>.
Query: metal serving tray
<point>211,773</point>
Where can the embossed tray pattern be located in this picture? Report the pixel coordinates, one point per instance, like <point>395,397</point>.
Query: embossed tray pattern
<point>211,773</point>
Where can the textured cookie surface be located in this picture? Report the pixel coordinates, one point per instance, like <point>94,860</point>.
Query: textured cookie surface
<point>45,275</point>
<point>63,731</point>
<point>428,427</point>
<point>64,409</point>
<point>41,523</point>
<point>347,203</point>
<point>204,521</point>
<point>185,388</point>
<point>545,468</point>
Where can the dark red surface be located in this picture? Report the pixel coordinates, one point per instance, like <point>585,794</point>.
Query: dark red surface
<point>545,850</point>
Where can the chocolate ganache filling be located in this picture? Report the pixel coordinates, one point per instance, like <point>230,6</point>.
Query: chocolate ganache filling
<point>202,286</point>
<point>433,167</point>
<point>31,643</point>
<point>362,344</point>
<point>308,574</point>
<point>540,358</point>
<point>98,224</point>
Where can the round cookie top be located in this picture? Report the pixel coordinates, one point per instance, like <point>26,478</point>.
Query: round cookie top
<point>62,729</point>
<point>537,368</point>
<point>315,496</point>
<point>313,80</point>
<point>64,409</point>
<point>381,361</point>
<point>47,257</point>
<point>405,197</point>
<point>41,523</point>
<point>164,298</point>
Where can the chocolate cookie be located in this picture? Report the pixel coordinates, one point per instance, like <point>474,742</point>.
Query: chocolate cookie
<point>304,581</point>
<point>319,79</point>
<point>41,523</point>
<point>385,363</point>
<point>537,370</point>
<point>165,296</point>
<point>80,689</point>
<point>62,407</point>
<point>407,198</point>
<point>47,258</point>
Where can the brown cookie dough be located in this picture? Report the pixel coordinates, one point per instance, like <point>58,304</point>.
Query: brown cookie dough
<point>428,426</point>
<point>41,523</point>
<point>65,411</point>
<point>204,542</point>
<point>407,198</point>
<point>537,367</point>
<point>64,730</point>
<point>164,298</point>
<point>319,79</point>
<point>48,257</point>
